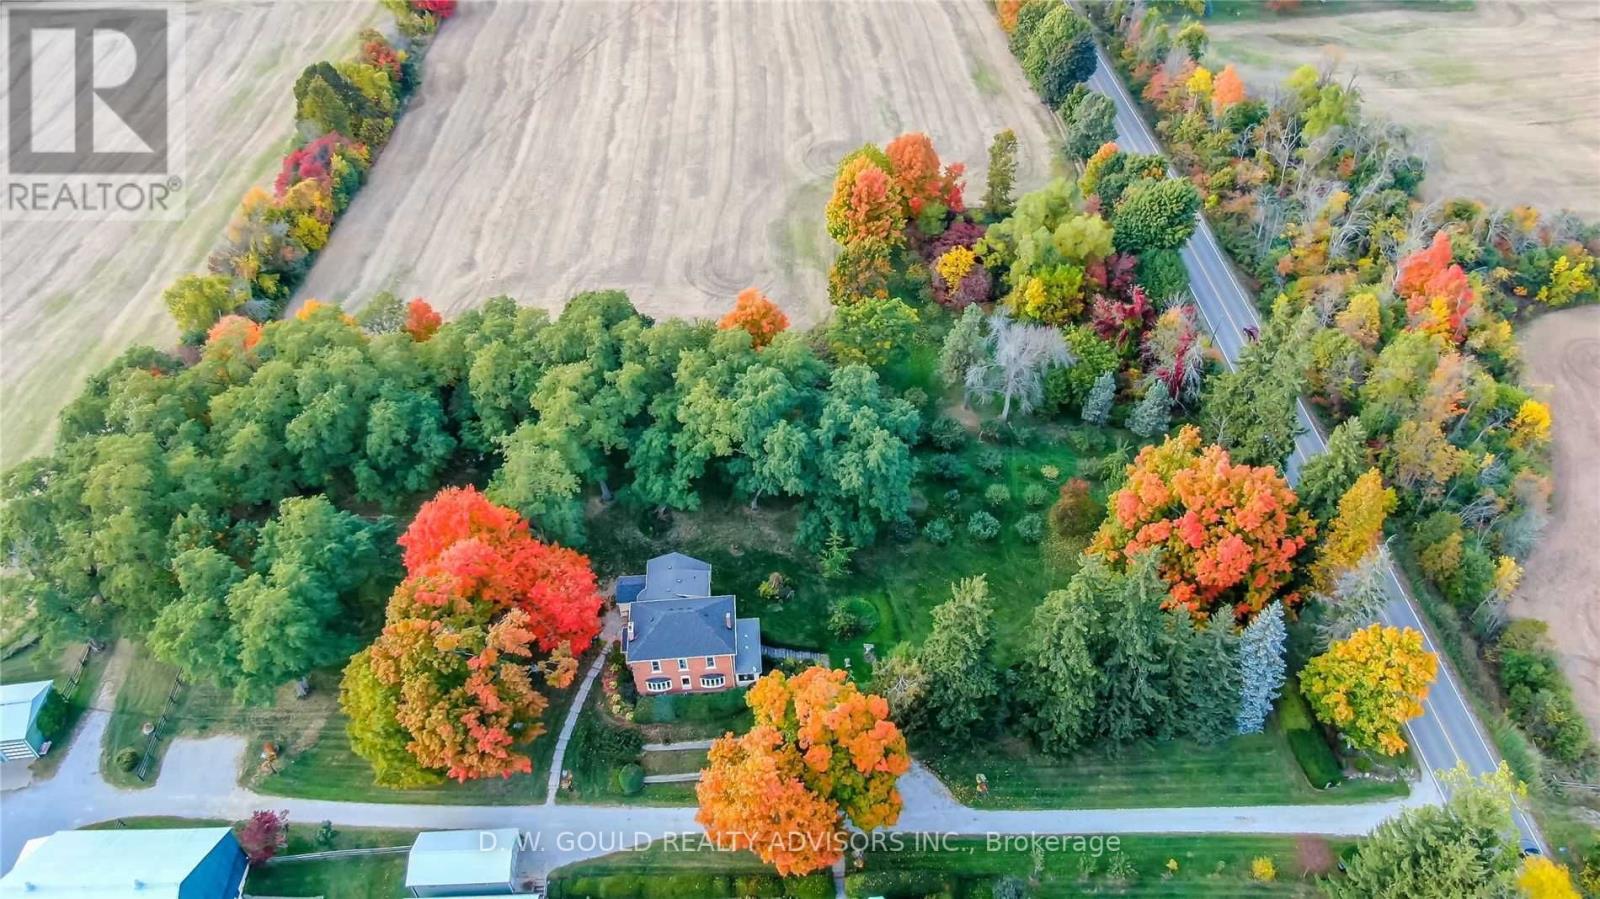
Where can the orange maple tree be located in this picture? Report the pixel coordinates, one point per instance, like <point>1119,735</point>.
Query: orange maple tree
<point>235,328</point>
<point>820,752</point>
<point>1227,89</point>
<point>1438,295</point>
<point>421,320</point>
<point>866,203</point>
<point>756,314</point>
<point>1228,533</point>
<point>919,175</point>
<point>465,631</point>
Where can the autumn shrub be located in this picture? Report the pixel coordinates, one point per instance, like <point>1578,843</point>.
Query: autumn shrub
<point>1076,513</point>
<point>1263,869</point>
<point>983,526</point>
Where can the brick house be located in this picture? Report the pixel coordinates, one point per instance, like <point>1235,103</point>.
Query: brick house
<point>677,637</point>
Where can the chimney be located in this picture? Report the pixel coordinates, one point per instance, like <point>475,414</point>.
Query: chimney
<point>630,632</point>
<point>727,620</point>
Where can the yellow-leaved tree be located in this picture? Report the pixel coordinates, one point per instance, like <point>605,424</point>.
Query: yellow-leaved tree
<point>1356,530</point>
<point>1542,878</point>
<point>1370,684</point>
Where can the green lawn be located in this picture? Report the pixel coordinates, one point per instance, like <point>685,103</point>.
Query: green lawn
<point>316,761</point>
<point>1206,866</point>
<point>658,872</point>
<point>1258,769</point>
<point>329,769</point>
<point>680,761</point>
<point>363,877</point>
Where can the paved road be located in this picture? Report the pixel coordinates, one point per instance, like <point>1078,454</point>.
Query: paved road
<point>1449,731</point>
<point>198,780</point>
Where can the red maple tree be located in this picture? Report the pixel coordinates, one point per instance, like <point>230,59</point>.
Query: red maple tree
<point>421,320</point>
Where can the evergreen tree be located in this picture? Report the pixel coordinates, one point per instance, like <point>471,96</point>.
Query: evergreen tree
<point>1208,681</point>
<point>1090,119</point>
<point>1060,674</point>
<point>1097,406</point>
<point>1153,415</point>
<point>1261,667</point>
<point>1251,410</point>
<point>1135,699</point>
<point>956,658</point>
<point>997,201</point>
<point>1327,476</point>
<point>965,346</point>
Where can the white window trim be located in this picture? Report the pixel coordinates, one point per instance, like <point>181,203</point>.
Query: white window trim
<point>683,664</point>
<point>657,686</point>
<point>655,666</point>
<point>711,663</point>
<point>687,682</point>
<point>713,680</point>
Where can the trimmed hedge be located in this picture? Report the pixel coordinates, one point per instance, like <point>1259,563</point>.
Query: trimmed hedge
<point>1311,750</point>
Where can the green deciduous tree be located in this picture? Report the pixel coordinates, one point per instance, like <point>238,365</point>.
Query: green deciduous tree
<point>1463,849</point>
<point>197,301</point>
<point>1002,176</point>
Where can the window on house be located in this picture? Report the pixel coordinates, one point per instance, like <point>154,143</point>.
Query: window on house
<point>683,664</point>
<point>686,681</point>
<point>713,680</point>
<point>655,665</point>
<point>658,685</point>
<point>711,661</point>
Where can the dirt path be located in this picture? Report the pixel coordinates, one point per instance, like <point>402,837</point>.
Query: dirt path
<point>678,151</point>
<point>1563,352</point>
<point>73,295</point>
<point>1501,94</point>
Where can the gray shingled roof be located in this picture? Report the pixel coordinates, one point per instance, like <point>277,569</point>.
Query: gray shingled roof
<point>675,574</point>
<point>679,628</point>
<point>747,658</point>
